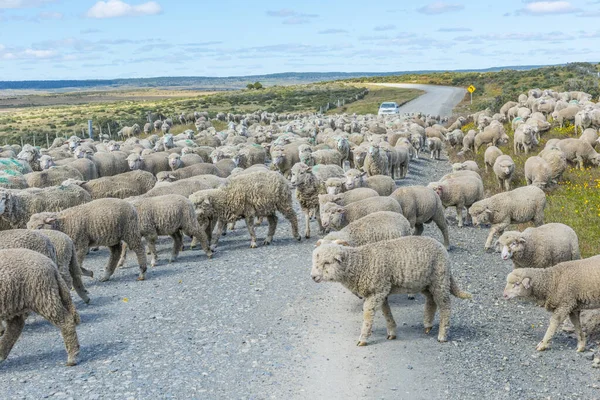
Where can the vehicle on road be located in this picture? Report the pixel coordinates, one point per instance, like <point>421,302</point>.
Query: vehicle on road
<point>389,107</point>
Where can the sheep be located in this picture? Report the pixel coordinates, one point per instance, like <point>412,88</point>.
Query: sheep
<point>557,161</point>
<point>520,205</point>
<point>107,164</point>
<point>538,172</point>
<point>565,290</point>
<point>540,247</point>
<point>177,161</point>
<point>52,177</point>
<point>324,172</point>
<point>153,163</point>
<point>384,185</point>
<point>459,192</point>
<point>251,155</point>
<point>490,156</point>
<point>284,158</point>
<point>376,270</point>
<point>120,186</point>
<point>468,165</point>
<point>103,222</point>
<point>351,196</point>
<point>372,228</point>
<point>420,205</point>
<point>376,161</point>
<point>225,166</point>
<point>17,206</point>
<point>524,139</point>
<point>579,151</point>
<point>455,137</point>
<point>567,114</point>
<point>494,134</point>
<point>29,156</point>
<point>256,194</point>
<point>434,145</point>
<point>335,185</point>
<point>183,187</point>
<point>504,168</point>
<point>31,283</point>
<point>85,166</point>
<point>469,141</point>
<point>307,193</point>
<point>171,215</point>
<point>188,172</point>
<point>590,135</point>
<point>130,131</point>
<point>328,157</point>
<point>336,217</point>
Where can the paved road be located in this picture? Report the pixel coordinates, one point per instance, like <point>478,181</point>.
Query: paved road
<point>437,100</point>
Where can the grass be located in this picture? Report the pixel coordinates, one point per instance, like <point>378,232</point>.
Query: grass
<point>377,95</point>
<point>574,202</point>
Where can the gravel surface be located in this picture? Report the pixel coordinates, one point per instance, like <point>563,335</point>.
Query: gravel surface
<point>437,100</point>
<point>251,324</point>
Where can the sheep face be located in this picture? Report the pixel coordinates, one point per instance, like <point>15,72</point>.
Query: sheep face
<point>203,207</point>
<point>134,162</point>
<point>175,161</point>
<point>517,286</point>
<point>458,167</point>
<point>596,160</point>
<point>113,146</point>
<point>46,162</point>
<point>511,243</point>
<point>480,214</point>
<point>327,263</point>
<point>300,174</point>
<point>45,220</point>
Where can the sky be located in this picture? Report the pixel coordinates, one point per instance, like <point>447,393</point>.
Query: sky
<point>81,39</point>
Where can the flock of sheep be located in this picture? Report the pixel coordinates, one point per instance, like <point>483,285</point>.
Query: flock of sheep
<point>58,203</point>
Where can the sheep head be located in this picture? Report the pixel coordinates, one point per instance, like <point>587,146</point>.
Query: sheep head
<point>328,263</point>
<point>517,285</point>
<point>44,220</point>
<point>512,242</point>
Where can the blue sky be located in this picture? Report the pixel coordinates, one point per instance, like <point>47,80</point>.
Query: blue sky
<point>81,39</point>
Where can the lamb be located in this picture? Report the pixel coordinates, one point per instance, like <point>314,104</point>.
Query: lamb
<point>458,192</point>
<point>120,186</point>
<point>434,145</point>
<point>504,168</point>
<point>376,161</point>
<point>171,215</point>
<point>256,194</point>
<point>103,222</point>
<point>490,156</point>
<point>540,247</point>
<point>188,172</point>
<point>17,206</point>
<point>351,196</point>
<point>565,289</point>
<point>31,283</point>
<point>336,217</point>
<point>375,227</point>
<point>52,177</point>
<point>520,205</point>
<point>374,271</point>
<point>468,165</point>
<point>384,185</point>
<point>420,205</point>
<point>579,151</point>
<point>307,192</point>
<point>538,172</point>
<point>153,163</point>
<point>494,134</point>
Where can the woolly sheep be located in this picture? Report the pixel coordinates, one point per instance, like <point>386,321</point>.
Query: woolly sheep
<point>372,228</point>
<point>17,206</point>
<point>540,247</point>
<point>177,161</point>
<point>460,193</point>
<point>524,139</point>
<point>579,151</point>
<point>420,205</point>
<point>171,215</point>
<point>494,134</point>
<point>336,217</point>
<point>103,222</point>
<point>567,114</point>
<point>590,135</point>
<point>467,165</point>
<point>307,193</point>
<point>85,166</point>
<point>469,141</point>
<point>351,196</point>
<point>403,265</point>
<point>52,177</point>
<point>556,160</point>
<point>324,172</point>
<point>384,185</point>
<point>256,194</point>
<point>565,290</point>
<point>376,161</point>
<point>120,186</point>
<point>538,172</point>
<point>31,283</point>
<point>434,145</point>
<point>490,156</point>
<point>519,205</point>
<point>153,163</point>
<point>251,155</point>
<point>188,172</point>
<point>504,168</point>
<point>185,187</point>
<point>335,185</point>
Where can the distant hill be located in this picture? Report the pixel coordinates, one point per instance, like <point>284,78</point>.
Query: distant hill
<point>218,83</point>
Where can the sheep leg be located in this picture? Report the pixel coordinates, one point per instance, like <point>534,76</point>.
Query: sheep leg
<point>459,211</point>
<point>14,327</point>
<point>289,214</point>
<point>151,240</point>
<point>440,221</point>
<point>389,319</point>
<point>272,220</point>
<point>306,223</point>
<point>218,233</point>
<point>321,229</point>
<point>199,235</point>
<point>81,251</point>
<point>250,225</point>
<point>69,334</point>
<point>499,229</point>
<point>75,273</point>
<point>507,185</point>
<point>115,254</point>
<point>124,255</point>
<point>574,316</point>
<point>557,318</point>
<point>430,308</point>
<point>580,162</point>
<point>370,305</point>
<point>443,303</point>
<point>418,229</point>
<point>177,243</point>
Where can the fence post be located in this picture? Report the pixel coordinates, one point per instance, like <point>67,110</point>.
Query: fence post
<point>34,140</point>
<point>47,140</point>
<point>22,142</point>
<point>109,134</point>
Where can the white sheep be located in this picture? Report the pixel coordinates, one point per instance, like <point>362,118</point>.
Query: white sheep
<point>504,169</point>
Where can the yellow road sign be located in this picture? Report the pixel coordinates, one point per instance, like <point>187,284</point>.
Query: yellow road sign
<point>471,89</point>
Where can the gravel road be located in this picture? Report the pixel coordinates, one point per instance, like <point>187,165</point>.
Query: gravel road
<point>251,324</point>
<point>437,100</point>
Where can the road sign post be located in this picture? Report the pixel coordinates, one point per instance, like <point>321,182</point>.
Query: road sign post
<point>471,89</point>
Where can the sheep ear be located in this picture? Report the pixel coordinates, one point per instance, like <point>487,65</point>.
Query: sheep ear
<point>339,257</point>
<point>49,220</point>
<point>342,243</point>
<point>522,240</point>
<point>206,202</point>
<point>488,211</point>
<point>319,242</point>
<point>526,283</point>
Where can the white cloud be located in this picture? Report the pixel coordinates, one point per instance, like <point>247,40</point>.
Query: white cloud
<point>118,8</point>
<point>548,7</point>
<point>23,3</point>
<point>50,15</point>
<point>382,28</point>
<point>39,53</point>
<point>440,7</point>
<point>292,17</point>
<point>454,30</point>
<point>332,31</point>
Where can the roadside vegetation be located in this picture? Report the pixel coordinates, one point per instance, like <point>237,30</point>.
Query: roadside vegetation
<point>377,95</point>
<point>575,201</point>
